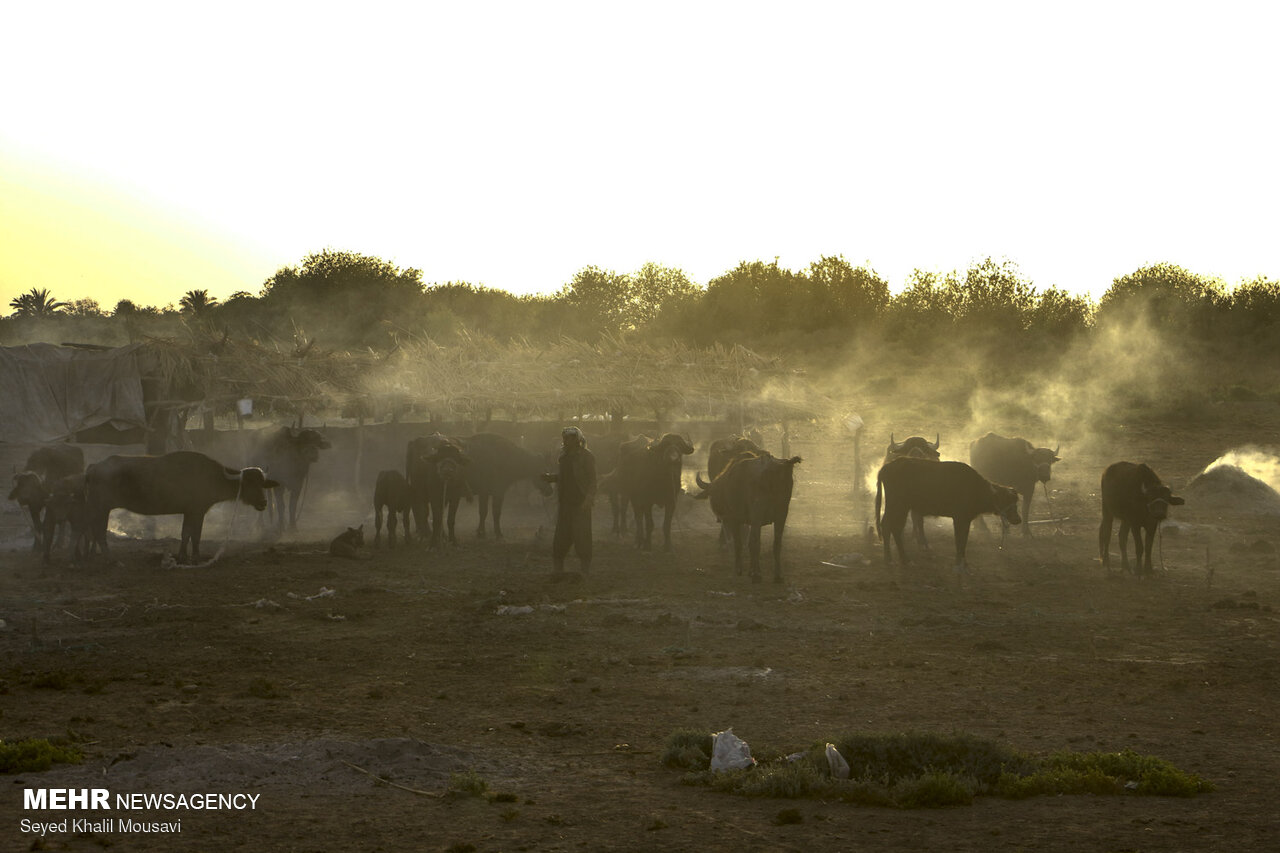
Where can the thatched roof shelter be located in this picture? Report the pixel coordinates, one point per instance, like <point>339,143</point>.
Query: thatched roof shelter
<point>478,378</point>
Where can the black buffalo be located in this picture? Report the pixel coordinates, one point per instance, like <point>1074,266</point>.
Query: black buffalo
<point>286,454</point>
<point>947,489</point>
<point>391,492</point>
<point>55,461</point>
<point>754,489</point>
<point>609,485</point>
<point>66,510</point>
<point>724,451</point>
<point>648,476</point>
<point>182,483</point>
<point>496,464</point>
<point>915,447</point>
<point>1015,462</point>
<point>30,492</point>
<point>436,467</point>
<point>1135,495</point>
<point>45,466</point>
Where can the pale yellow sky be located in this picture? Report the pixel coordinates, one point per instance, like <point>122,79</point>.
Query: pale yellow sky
<point>147,149</point>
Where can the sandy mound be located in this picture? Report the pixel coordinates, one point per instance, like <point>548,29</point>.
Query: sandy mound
<point>1229,488</point>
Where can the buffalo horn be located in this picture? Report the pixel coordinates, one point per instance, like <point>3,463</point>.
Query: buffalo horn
<point>937,440</point>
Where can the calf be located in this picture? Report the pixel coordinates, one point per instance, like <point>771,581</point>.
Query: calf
<point>66,509</point>
<point>29,491</point>
<point>1135,495</point>
<point>391,492</point>
<point>948,489</point>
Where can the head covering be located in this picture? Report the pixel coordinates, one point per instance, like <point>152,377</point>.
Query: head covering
<point>574,432</point>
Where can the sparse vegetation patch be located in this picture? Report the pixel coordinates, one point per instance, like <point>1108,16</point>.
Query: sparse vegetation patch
<point>928,770</point>
<point>35,755</point>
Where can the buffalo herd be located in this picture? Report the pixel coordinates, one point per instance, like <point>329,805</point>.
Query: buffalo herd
<point>747,488</point>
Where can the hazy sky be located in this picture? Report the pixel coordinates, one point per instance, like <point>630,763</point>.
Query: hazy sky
<point>147,149</point>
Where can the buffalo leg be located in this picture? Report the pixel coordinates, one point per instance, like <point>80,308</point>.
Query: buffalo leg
<point>484,513</point>
<point>186,537</point>
<point>391,529</point>
<point>294,494</point>
<point>1104,540</point>
<point>498,500</point>
<point>1026,514</point>
<point>895,522</point>
<point>1124,545</point>
<point>668,512</point>
<point>777,551</point>
<point>37,525</point>
<point>917,528</point>
<point>377,527</point>
<point>738,531</point>
<point>754,544</point>
<point>453,514</point>
<point>1142,561</point>
<point>1146,559</point>
<point>961,526</point>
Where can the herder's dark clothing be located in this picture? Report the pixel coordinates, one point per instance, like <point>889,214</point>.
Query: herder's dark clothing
<point>577,484</point>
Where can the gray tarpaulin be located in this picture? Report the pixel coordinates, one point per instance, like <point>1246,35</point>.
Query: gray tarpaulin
<point>48,392</point>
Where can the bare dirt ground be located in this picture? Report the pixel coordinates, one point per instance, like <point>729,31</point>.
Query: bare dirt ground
<point>286,673</point>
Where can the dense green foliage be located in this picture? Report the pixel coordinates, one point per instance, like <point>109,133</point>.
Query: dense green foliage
<point>34,755</point>
<point>928,770</point>
<point>346,301</point>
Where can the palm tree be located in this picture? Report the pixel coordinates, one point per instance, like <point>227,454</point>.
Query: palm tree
<point>197,301</point>
<point>36,302</point>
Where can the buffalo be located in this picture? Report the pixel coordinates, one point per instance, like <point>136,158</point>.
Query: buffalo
<point>436,467</point>
<point>915,447</point>
<point>1014,461</point>
<point>1135,495</point>
<point>29,491</point>
<point>287,454</point>
<point>496,464</point>
<point>55,461</point>
<point>753,490</point>
<point>45,466</point>
<point>66,509</point>
<point>183,483</point>
<point>721,453</point>
<point>648,476</point>
<point>391,492</point>
<point>948,489</point>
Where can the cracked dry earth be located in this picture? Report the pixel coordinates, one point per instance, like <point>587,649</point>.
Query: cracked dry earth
<point>348,694</point>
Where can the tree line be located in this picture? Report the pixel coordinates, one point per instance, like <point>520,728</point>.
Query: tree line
<point>346,300</point>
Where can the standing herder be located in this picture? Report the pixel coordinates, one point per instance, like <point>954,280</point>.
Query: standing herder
<point>577,488</point>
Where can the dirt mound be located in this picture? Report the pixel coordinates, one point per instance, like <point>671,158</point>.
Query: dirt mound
<point>1228,487</point>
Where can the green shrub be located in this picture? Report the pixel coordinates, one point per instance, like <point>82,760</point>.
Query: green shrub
<point>687,750</point>
<point>467,783</point>
<point>35,755</point>
<point>926,770</point>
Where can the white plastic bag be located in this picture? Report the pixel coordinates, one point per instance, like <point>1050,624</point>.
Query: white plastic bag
<point>730,752</point>
<point>836,763</point>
